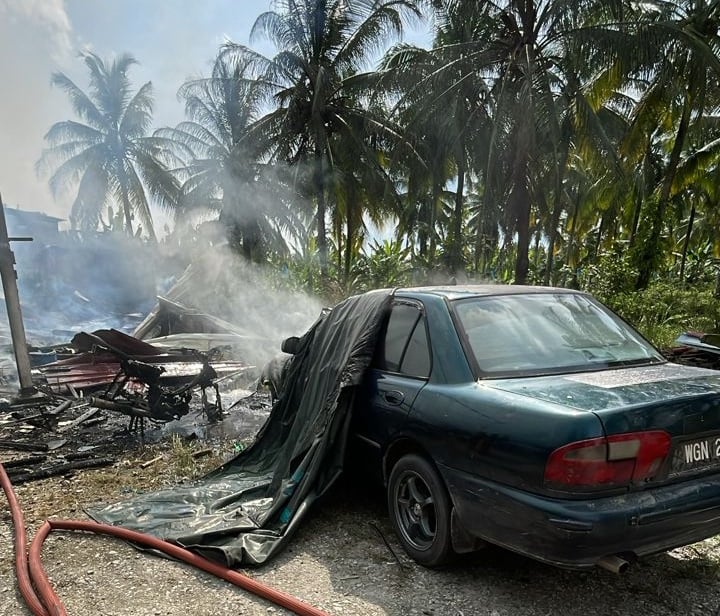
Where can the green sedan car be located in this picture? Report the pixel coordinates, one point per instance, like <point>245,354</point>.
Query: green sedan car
<point>537,420</point>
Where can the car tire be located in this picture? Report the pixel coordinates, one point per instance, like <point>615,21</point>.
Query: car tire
<point>419,509</point>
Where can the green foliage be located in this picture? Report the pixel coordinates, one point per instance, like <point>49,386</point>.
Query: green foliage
<point>385,264</point>
<point>662,311</point>
<point>614,274</point>
<point>701,266</point>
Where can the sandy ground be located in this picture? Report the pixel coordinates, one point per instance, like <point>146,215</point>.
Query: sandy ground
<point>339,560</point>
<point>340,563</point>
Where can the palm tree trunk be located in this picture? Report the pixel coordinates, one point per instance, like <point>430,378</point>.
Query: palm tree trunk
<point>350,231</point>
<point>504,252</point>
<point>520,204</point>
<point>638,201</point>
<point>686,244</point>
<point>571,240</point>
<point>320,214</point>
<point>431,221</point>
<point>252,246</point>
<point>348,249</point>
<point>554,222</point>
<point>556,212</point>
<point>127,212</point>
<point>123,179</point>
<point>636,219</point>
<point>421,233</point>
<point>650,250</point>
<point>456,244</point>
<point>598,239</point>
<point>479,239</point>
<point>337,224</point>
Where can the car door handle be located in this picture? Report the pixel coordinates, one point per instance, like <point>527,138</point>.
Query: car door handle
<point>394,397</point>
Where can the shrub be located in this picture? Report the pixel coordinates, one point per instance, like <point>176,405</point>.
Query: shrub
<point>663,311</point>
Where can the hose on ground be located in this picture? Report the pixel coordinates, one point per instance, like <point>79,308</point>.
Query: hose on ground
<point>21,561</point>
<point>42,600</point>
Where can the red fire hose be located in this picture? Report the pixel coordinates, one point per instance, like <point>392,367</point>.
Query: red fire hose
<point>42,600</point>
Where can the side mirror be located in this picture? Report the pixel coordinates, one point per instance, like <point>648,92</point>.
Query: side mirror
<point>290,345</point>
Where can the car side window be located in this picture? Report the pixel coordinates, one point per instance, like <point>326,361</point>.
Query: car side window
<point>416,361</point>
<point>404,348</point>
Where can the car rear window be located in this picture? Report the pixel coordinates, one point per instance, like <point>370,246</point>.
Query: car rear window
<point>404,347</point>
<point>548,333</point>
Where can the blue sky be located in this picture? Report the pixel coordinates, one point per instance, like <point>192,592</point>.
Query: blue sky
<point>171,39</point>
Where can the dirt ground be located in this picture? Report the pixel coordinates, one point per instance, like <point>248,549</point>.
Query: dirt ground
<point>339,561</point>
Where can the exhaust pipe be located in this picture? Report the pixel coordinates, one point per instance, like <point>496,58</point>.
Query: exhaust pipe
<point>615,564</point>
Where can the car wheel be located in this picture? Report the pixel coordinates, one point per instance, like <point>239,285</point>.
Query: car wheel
<point>420,511</point>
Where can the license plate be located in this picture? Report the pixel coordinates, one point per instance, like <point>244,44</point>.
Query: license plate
<point>696,454</point>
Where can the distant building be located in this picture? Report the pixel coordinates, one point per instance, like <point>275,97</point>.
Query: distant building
<point>41,227</point>
<point>79,275</point>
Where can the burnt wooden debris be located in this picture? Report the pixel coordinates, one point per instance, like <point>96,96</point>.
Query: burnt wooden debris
<point>96,399</point>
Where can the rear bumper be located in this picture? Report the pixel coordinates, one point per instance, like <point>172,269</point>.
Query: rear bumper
<point>577,533</point>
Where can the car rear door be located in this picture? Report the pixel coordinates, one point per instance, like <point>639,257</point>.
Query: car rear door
<point>400,369</point>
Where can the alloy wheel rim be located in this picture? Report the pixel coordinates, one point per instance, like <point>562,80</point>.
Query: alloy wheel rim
<point>415,511</point>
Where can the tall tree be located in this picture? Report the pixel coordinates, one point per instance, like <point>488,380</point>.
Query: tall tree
<point>531,58</point>
<point>109,154</point>
<point>679,47</point>
<point>225,169</point>
<point>316,85</point>
<point>442,99</point>
<point>422,160</point>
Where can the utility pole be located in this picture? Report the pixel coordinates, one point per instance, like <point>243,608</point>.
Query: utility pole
<point>12,301</point>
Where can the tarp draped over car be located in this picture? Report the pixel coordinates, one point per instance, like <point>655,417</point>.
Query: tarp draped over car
<point>245,511</point>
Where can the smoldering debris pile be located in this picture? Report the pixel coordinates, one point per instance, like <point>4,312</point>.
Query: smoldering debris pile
<point>47,439</point>
<point>183,366</point>
<point>138,379</point>
<point>221,301</point>
<point>101,399</point>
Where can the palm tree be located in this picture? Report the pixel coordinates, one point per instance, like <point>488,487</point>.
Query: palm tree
<point>362,191</point>
<point>442,102</point>
<point>504,83</point>
<point>421,163</point>
<point>316,85</point>
<point>224,169</point>
<point>681,65</point>
<point>695,189</point>
<point>108,154</point>
<point>538,61</point>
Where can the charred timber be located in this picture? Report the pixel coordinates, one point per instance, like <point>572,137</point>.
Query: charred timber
<point>22,445</point>
<point>119,407</point>
<point>61,469</point>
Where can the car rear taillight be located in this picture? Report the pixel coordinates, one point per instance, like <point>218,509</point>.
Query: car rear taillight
<point>608,462</point>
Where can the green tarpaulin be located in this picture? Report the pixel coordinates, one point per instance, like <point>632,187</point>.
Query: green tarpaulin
<point>245,511</point>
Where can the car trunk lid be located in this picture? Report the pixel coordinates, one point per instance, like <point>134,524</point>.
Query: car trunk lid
<point>681,400</point>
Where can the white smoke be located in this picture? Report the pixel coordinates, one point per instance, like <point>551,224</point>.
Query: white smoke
<point>47,16</point>
<point>36,38</point>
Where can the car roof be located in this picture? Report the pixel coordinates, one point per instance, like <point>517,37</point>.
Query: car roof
<point>452,292</point>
